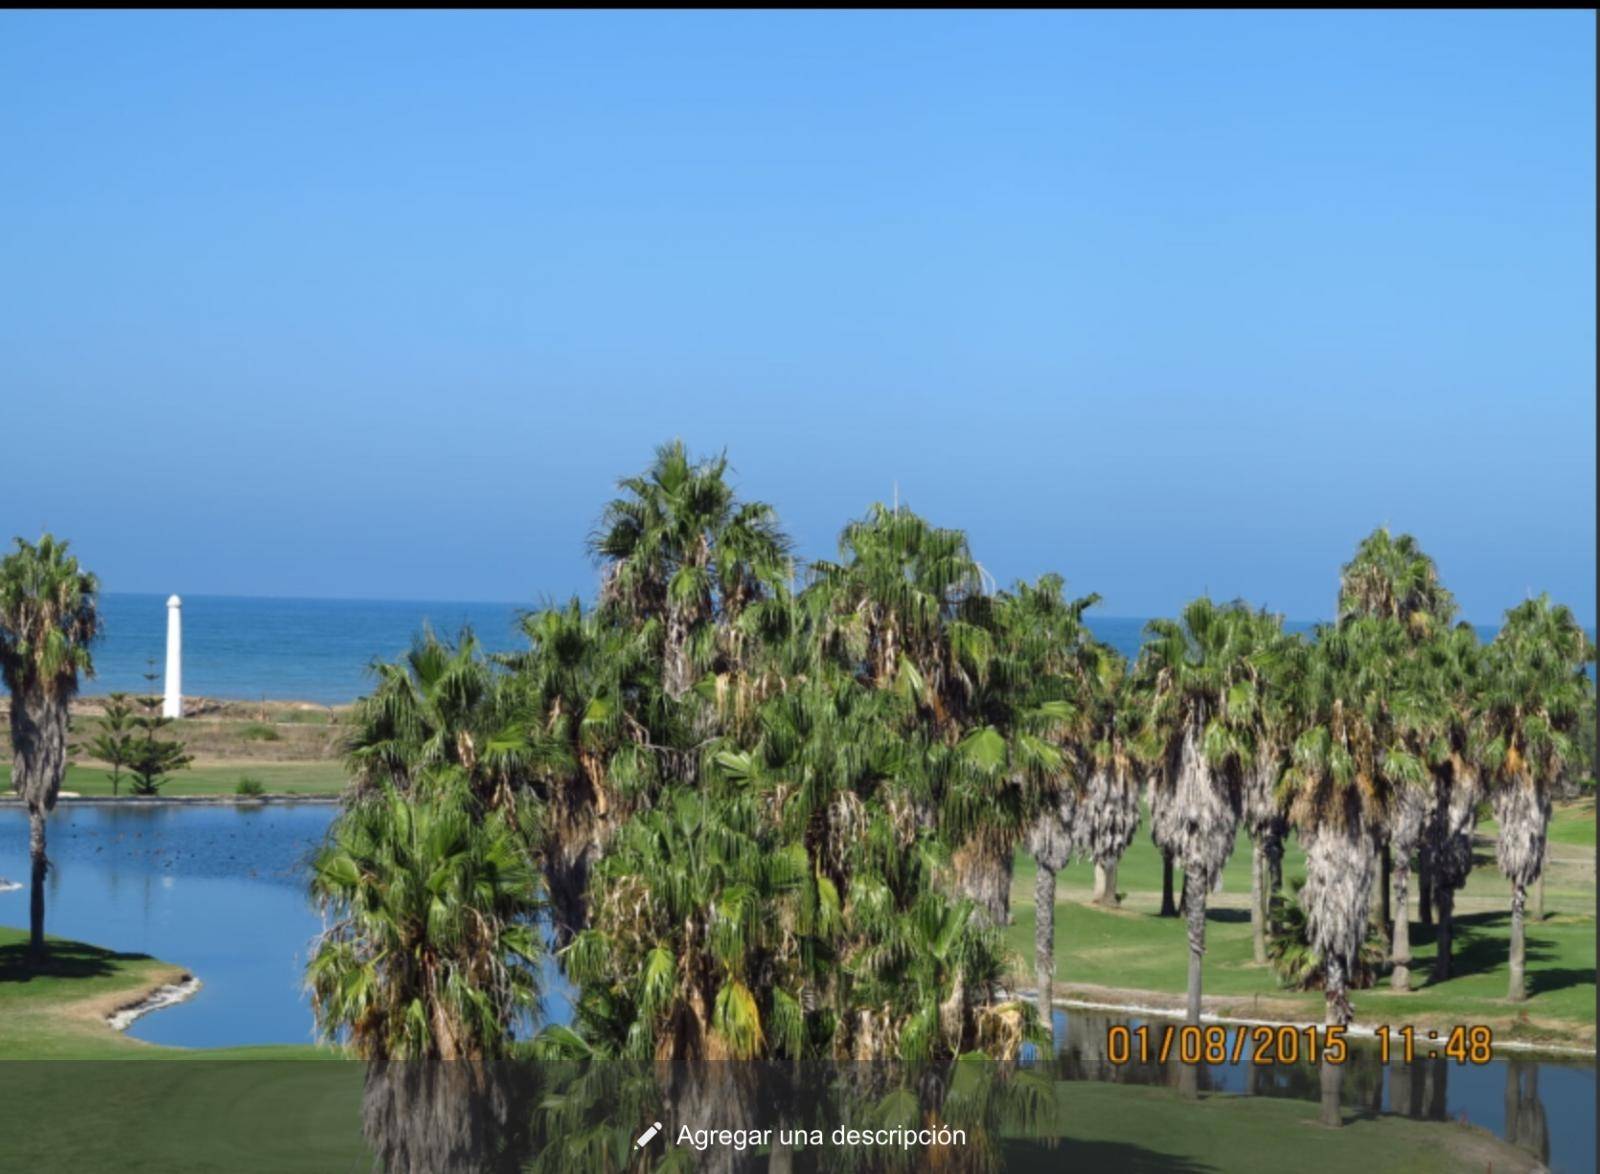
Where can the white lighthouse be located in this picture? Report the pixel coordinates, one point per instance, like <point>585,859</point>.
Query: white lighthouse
<point>172,704</point>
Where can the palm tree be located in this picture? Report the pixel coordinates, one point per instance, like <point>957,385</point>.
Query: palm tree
<point>905,604</point>
<point>1037,703</point>
<point>589,692</point>
<point>1534,693</point>
<point>714,938</point>
<point>1051,842</point>
<point>429,957</point>
<point>694,949</point>
<point>1408,808</point>
<point>440,712</point>
<point>1202,704</point>
<point>1391,578</point>
<point>1346,765</point>
<point>1111,796</point>
<point>679,549</point>
<point>1151,756</point>
<point>48,618</point>
<point>904,609</point>
<point>1276,669</point>
<point>1447,700</point>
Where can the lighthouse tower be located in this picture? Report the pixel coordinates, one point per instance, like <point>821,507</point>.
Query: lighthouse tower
<point>172,703</point>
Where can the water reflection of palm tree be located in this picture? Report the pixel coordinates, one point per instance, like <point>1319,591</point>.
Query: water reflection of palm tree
<point>1526,1124</point>
<point>1436,1087</point>
<point>1400,1088</point>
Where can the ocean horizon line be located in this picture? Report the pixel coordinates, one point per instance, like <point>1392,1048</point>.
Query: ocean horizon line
<point>552,600</point>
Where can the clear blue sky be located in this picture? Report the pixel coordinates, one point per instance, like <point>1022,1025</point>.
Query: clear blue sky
<point>380,305</point>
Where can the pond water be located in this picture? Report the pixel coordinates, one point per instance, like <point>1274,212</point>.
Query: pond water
<point>1545,1106</point>
<point>221,891</point>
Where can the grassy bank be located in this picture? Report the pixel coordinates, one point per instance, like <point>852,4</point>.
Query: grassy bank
<point>212,778</point>
<point>290,748</point>
<point>1106,954</point>
<point>58,1011</point>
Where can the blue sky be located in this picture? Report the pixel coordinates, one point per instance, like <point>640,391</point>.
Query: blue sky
<point>380,305</point>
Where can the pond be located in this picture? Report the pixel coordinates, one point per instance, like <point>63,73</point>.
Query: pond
<point>218,890</point>
<point>221,891</point>
<point>1541,1104</point>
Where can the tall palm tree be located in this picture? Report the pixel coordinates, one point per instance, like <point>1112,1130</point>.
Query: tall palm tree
<point>1409,807</point>
<point>48,618</point>
<point>1390,577</point>
<point>1276,669</point>
<point>1346,765</point>
<point>1052,840</point>
<point>589,693</point>
<point>905,610</point>
<point>429,957</point>
<point>1534,693</point>
<point>1111,795</point>
<point>1037,703</point>
<point>679,548</point>
<point>1447,696</point>
<point>1201,707</point>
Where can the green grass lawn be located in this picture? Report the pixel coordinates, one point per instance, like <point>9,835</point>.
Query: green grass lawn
<point>59,1011</point>
<point>144,1108</point>
<point>1134,949</point>
<point>264,1113</point>
<point>1573,825</point>
<point>284,1116</point>
<point>220,778</point>
<point>1140,1129</point>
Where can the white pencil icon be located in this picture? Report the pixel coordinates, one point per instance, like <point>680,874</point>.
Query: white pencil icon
<point>644,1138</point>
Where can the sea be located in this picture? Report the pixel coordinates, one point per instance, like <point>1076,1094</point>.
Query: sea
<point>247,648</point>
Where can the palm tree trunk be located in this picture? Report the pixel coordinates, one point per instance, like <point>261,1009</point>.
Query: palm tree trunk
<point>1335,1016</point>
<point>1445,896</point>
<point>983,874</point>
<point>1274,878</point>
<point>1168,909</point>
<point>1387,868</point>
<point>1044,946</point>
<point>1098,897</point>
<point>1112,899</point>
<point>1538,890</point>
<point>1258,908</point>
<point>1425,891</point>
<point>36,947</point>
<point>1194,907</point>
<point>1400,948</point>
<point>1519,899</point>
